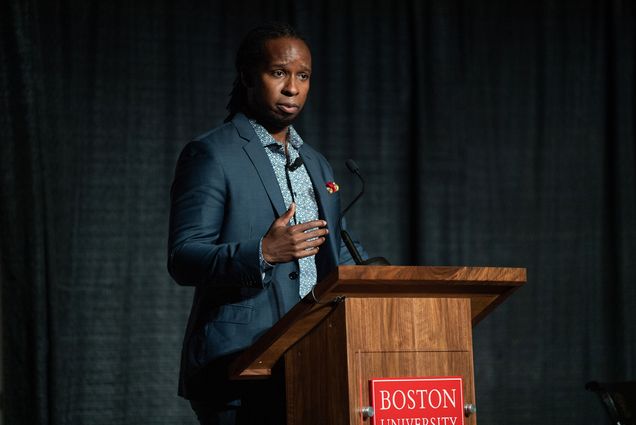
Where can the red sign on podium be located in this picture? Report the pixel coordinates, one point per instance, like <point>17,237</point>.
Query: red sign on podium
<point>417,401</point>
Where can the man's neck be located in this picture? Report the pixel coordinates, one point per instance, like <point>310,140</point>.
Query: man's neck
<point>278,133</point>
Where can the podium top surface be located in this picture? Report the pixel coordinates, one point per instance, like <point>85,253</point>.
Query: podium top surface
<point>486,287</point>
<point>419,281</point>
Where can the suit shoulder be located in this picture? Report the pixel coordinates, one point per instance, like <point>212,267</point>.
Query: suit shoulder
<point>215,141</point>
<point>223,133</point>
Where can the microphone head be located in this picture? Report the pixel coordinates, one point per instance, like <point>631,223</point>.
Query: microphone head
<point>352,166</point>
<point>294,165</point>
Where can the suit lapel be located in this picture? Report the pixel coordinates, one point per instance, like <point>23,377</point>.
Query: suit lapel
<point>254,149</point>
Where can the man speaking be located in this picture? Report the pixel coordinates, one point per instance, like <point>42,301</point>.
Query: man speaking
<point>253,226</point>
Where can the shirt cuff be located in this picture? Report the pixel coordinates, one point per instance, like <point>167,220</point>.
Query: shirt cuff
<point>265,266</point>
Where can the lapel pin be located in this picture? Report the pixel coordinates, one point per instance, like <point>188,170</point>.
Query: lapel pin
<point>332,187</point>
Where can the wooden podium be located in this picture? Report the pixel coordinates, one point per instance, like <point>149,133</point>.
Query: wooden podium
<point>366,322</point>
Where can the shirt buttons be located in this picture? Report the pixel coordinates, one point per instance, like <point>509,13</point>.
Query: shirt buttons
<point>293,275</point>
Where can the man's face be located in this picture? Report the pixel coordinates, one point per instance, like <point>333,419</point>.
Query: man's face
<point>280,86</point>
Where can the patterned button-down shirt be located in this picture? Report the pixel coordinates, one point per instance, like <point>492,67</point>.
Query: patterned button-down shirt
<point>302,192</point>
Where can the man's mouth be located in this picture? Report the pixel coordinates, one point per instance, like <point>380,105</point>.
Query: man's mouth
<point>288,108</point>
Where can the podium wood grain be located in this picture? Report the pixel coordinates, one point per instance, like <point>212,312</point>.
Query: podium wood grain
<point>372,322</point>
<point>486,287</point>
<point>328,372</point>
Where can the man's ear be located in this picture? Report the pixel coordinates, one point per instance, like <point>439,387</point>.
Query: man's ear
<point>247,80</point>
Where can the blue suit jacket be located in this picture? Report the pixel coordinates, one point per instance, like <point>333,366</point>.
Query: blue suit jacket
<point>224,198</point>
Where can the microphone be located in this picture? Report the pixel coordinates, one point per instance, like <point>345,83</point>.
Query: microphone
<point>375,261</point>
<point>294,165</point>
<point>352,166</point>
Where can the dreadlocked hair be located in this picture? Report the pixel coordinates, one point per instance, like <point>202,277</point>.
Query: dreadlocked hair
<point>251,54</point>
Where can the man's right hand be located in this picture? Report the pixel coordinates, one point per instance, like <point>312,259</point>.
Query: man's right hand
<point>283,243</point>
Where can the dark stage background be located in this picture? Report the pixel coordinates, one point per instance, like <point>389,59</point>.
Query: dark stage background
<point>492,133</point>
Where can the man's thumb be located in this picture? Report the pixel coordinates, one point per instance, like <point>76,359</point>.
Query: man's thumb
<point>289,213</point>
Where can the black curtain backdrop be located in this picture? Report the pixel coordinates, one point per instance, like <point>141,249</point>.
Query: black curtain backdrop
<point>492,133</point>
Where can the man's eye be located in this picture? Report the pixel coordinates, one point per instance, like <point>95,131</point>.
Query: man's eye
<point>278,73</point>
<point>303,77</point>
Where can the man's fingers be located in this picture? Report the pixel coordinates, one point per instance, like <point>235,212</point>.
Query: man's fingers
<point>315,242</point>
<point>309,225</point>
<point>308,245</point>
<point>308,252</point>
<point>313,234</point>
<point>299,238</point>
<point>284,243</point>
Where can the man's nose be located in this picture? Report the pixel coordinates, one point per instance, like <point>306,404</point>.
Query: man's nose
<point>290,88</point>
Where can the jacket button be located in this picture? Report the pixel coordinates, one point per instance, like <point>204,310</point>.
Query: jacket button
<point>293,275</point>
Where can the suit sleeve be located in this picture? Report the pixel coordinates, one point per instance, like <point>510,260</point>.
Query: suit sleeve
<point>199,200</point>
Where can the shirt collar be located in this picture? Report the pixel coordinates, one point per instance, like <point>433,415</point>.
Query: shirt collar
<point>267,139</point>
